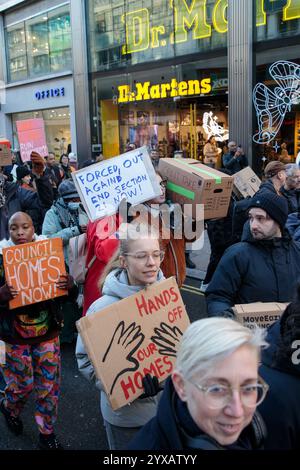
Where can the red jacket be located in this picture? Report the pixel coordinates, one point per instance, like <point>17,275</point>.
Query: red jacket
<point>102,243</point>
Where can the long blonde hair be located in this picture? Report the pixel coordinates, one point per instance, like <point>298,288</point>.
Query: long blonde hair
<point>127,233</point>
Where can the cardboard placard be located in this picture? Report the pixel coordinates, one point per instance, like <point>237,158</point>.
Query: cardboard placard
<point>133,337</point>
<point>191,182</point>
<point>5,155</point>
<point>102,186</point>
<point>31,135</point>
<point>262,314</point>
<point>245,183</point>
<point>33,269</point>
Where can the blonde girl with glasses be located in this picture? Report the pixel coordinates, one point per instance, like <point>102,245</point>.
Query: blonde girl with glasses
<point>134,265</point>
<point>210,401</point>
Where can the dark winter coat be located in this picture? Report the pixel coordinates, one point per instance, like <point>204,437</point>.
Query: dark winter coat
<point>20,199</point>
<point>293,225</point>
<point>280,409</point>
<point>253,271</point>
<point>234,164</point>
<point>166,430</point>
<point>293,199</point>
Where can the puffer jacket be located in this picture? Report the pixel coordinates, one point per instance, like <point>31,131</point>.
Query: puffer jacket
<point>253,271</point>
<point>116,288</point>
<point>280,409</point>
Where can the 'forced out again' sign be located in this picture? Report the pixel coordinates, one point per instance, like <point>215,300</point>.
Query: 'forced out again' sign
<point>34,269</point>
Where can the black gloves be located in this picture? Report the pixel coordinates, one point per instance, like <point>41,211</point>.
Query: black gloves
<point>151,386</point>
<point>5,294</point>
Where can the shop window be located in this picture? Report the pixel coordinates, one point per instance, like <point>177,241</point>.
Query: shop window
<point>37,45</point>
<point>60,40</point>
<point>40,45</point>
<point>16,52</point>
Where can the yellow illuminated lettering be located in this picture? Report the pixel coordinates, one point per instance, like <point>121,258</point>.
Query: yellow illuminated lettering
<point>137,31</point>
<point>155,92</point>
<point>174,91</point>
<point>292,10</point>
<point>164,88</point>
<point>261,17</point>
<point>194,87</point>
<point>142,91</point>
<point>124,91</point>
<point>206,85</point>
<point>219,16</point>
<point>193,17</point>
<point>155,32</point>
<point>182,89</point>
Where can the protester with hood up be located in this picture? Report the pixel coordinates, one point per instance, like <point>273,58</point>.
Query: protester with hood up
<point>134,266</point>
<point>210,400</point>
<point>62,220</point>
<point>17,198</point>
<point>32,346</point>
<point>263,267</point>
<point>281,370</point>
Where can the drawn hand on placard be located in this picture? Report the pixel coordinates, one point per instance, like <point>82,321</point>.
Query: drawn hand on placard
<point>167,339</point>
<point>124,343</point>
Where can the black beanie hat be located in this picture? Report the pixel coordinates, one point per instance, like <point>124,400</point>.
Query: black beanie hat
<point>22,171</point>
<point>275,206</point>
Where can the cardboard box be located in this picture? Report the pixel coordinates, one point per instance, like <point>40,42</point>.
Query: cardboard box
<point>5,155</point>
<point>262,314</point>
<point>133,337</point>
<point>191,182</point>
<point>245,183</point>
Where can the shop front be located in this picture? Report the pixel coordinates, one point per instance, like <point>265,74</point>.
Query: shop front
<point>172,110</point>
<point>49,100</point>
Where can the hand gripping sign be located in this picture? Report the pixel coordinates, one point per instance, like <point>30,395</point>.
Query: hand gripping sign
<point>102,186</point>
<point>34,269</point>
<point>133,337</point>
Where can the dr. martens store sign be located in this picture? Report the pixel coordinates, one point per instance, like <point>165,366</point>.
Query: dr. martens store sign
<point>146,91</point>
<point>192,15</point>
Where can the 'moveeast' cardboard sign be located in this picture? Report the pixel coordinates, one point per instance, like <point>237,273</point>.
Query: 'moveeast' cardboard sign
<point>103,185</point>
<point>263,314</point>
<point>133,337</point>
<point>33,269</point>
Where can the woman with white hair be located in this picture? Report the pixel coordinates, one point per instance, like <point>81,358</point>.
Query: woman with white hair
<point>210,400</point>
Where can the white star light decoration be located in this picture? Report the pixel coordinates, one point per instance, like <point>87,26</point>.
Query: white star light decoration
<point>211,127</point>
<point>271,105</point>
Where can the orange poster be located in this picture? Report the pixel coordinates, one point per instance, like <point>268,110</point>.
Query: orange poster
<point>34,269</point>
<point>31,135</point>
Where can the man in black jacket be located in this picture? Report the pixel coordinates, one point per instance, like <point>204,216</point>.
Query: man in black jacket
<point>263,267</point>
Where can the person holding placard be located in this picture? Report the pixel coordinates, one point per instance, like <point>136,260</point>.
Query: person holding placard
<point>31,335</point>
<point>135,265</point>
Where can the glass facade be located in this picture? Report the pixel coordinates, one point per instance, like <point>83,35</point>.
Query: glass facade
<point>40,45</point>
<point>145,57</point>
<point>57,128</point>
<point>123,32</point>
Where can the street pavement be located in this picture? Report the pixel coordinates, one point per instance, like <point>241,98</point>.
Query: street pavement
<point>79,425</point>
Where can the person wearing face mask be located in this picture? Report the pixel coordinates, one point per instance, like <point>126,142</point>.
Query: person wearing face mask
<point>62,220</point>
<point>210,401</point>
<point>134,265</point>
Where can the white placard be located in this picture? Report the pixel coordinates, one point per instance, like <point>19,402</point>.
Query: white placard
<point>103,185</point>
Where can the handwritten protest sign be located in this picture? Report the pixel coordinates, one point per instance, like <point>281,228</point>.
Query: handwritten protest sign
<point>133,337</point>
<point>102,186</point>
<point>33,269</point>
<point>31,135</point>
<point>5,155</point>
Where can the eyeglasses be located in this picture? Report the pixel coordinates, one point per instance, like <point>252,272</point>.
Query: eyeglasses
<point>163,183</point>
<point>143,256</point>
<point>219,395</point>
